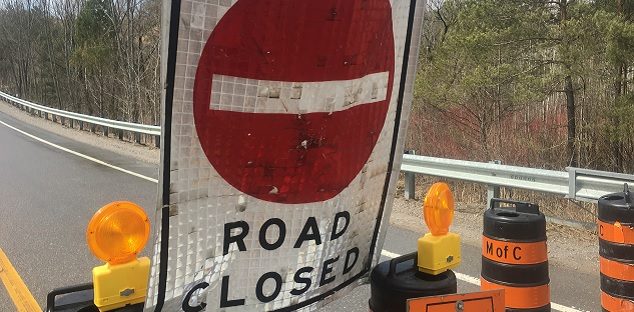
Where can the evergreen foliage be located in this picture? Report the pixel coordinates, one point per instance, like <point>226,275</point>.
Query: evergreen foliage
<point>541,83</point>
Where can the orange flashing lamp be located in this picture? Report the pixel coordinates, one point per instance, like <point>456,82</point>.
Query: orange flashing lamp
<point>439,250</point>
<point>116,234</point>
<point>438,209</point>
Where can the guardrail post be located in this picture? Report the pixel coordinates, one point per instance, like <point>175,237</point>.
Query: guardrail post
<point>572,182</point>
<point>137,138</point>
<point>120,134</point>
<point>157,141</point>
<point>105,131</point>
<point>410,181</point>
<point>493,191</point>
<point>92,128</point>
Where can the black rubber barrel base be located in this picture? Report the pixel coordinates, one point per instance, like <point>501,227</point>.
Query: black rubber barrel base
<point>545,308</point>
<point>393,282</point>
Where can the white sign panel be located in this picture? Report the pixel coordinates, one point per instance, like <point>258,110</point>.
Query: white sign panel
<point>283,128</point>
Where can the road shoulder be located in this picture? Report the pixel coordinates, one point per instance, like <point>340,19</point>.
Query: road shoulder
<point>569,247</point>
<point>139,152</point>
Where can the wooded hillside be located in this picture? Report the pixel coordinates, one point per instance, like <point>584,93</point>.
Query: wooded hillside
<point>99,57</point>
<point>541,83</point>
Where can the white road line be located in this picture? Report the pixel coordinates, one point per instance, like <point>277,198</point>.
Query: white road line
<point>389,254</point>
<point>80,154</point>
<point>476,281</point>
<point>468,278</point>
<point>460,276</point>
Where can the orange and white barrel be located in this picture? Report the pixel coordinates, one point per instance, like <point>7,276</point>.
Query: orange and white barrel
<point>514,255</point>
<point>616,251</point>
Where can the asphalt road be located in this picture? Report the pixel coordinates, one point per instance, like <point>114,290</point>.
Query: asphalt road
<point>47,197</point>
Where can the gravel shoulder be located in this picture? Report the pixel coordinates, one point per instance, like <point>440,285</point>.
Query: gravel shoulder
<point>570,247</point>
<point>143,153</point>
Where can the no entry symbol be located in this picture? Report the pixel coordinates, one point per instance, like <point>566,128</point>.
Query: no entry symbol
<point>290,96</point>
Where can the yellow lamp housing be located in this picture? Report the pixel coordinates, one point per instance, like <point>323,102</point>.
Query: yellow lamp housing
<point>116,234</point>
<point>439,250</point>
<point>119,285</point>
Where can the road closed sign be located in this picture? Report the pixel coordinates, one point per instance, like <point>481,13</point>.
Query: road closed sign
<point>282,139</point>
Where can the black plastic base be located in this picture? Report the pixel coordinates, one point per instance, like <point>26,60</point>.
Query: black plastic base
<point>393,282</point>
<point>79,298</point>
<point>545,308</point>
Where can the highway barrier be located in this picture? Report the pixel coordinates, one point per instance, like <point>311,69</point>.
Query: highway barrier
<point>616,251</point>
<point>86,122</point>
<point>574,183</point>
<point>514,255</point>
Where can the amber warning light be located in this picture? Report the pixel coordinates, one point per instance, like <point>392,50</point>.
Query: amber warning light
<point>439,250</point>
<point>116,234</point>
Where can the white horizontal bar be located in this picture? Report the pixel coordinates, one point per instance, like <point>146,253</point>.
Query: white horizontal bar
<point>265,96</point>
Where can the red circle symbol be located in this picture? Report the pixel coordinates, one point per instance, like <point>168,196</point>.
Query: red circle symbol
<point>290,96</point>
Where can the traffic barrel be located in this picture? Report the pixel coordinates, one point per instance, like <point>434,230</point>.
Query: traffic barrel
<point>514,255</point>
<point>393,282</point>
<point>616,251</point>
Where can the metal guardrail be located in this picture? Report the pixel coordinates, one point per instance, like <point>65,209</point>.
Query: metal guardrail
<point>113,124</point>
<point>574,183</point>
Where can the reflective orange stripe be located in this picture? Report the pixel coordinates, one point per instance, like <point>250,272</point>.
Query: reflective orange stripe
<point>616,233</point>
<point>514,253</point>
<point>521,297</point>
<point>617,270</point>
<point>616,304</point>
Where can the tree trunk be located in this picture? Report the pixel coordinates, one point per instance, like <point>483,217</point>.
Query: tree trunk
<point>572,126</point>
